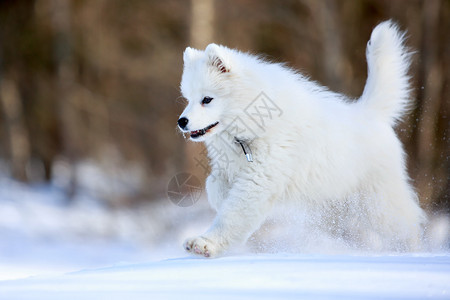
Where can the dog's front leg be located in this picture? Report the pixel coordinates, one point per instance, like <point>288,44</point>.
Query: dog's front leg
<point>242,213</point>
<point>217,189</point>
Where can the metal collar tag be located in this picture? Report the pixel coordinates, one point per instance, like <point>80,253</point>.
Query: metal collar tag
<point>246,148</point>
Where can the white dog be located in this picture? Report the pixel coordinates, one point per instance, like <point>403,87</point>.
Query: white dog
<point>273,135</point>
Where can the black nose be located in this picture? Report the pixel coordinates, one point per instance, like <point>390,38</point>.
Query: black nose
<point>182,122</point>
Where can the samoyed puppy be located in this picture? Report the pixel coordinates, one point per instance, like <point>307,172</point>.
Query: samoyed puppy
<point>274,136</point>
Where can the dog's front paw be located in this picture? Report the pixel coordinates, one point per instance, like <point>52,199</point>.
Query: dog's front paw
<point>201,246</point>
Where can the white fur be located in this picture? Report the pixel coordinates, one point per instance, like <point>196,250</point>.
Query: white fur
<point>339,158</point>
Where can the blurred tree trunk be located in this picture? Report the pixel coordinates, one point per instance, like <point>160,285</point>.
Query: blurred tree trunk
<point>202,26</point>
<point>201,34</point>
<point>63,57</point>
<point>18,138</point>
<point>334,62</point>
<point>430,100</point>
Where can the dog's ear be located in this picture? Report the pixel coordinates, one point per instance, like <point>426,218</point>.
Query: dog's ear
<point>216,58</point>
<point>190,54</point>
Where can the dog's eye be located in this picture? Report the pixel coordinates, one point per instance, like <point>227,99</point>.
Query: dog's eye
<point>206,100</point>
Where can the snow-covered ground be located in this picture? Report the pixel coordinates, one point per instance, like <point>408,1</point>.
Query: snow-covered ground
<point>275,276</point>
<point>136,252</point>
<point>41,234</point>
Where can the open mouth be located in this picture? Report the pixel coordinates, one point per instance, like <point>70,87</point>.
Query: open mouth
<point>200,132</point>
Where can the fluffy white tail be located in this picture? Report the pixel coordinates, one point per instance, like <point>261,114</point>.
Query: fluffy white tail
<point>387,89</point>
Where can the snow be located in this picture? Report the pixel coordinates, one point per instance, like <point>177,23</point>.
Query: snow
<point>41,233</point>
<point>268,276</point>
<point>53,249</point>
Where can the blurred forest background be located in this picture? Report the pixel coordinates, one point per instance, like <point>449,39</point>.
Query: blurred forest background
<point>94,85</point>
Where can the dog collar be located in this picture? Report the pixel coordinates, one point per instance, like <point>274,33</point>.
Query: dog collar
<point>245,148</point>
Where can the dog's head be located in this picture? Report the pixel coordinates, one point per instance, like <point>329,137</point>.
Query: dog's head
<point>208,85</point>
